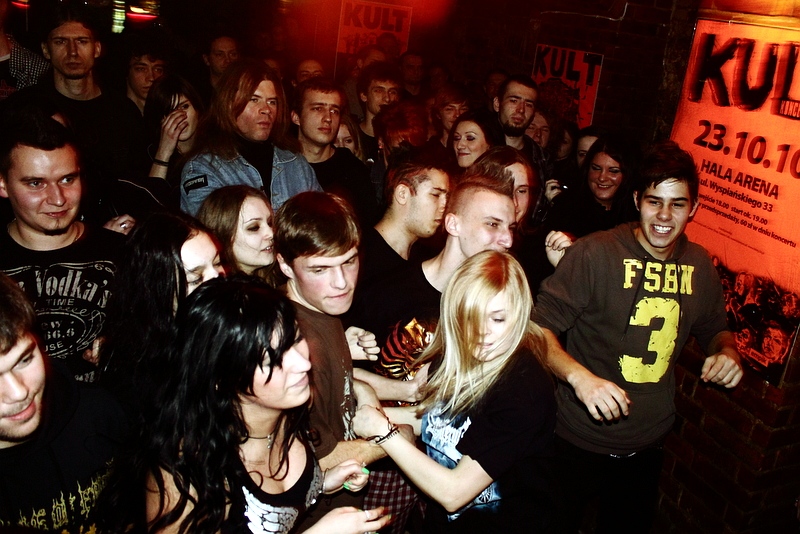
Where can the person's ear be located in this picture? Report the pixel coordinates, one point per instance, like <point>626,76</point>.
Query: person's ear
<point>694,208</point>
<point>3,189</point>
<point>286,269</point>
<point>45,51</point>
<point>98,48</point>
<point>452,224</point>
<point>401,194</point>
<point>205,60</point>
<point>496,105</point>
<point>636,200</point>
<point>295,118</point>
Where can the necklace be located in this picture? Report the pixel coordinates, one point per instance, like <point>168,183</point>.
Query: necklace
<point>270,437</point>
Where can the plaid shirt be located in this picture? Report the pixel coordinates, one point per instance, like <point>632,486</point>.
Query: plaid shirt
<point>25,66</point>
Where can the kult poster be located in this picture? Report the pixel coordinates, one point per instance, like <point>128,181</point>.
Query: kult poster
<point>362,23</point>
<point>568,81</point>
<point>739,116</point>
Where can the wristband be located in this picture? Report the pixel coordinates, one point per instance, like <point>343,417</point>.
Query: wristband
<point>392,433</point>
<point>161,162</point>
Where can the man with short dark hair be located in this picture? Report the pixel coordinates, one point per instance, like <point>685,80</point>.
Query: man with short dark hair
<point>65,266</point>
<point>413,69</point>
<point>222,51</point>
<point>515,105</point>
<point>366,55</point>
<point>378,86</point>
<point>146,63</point>
<point>57,438</point>
<point>417,195</point>
<point>317,112</point>
<point>628,300</point>
<point>307,69</point>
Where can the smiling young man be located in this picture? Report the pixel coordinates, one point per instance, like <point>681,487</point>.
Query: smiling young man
<point>56,436</point>
<point>65,266</point>
<point>628,300</point>
<point>317,111</point>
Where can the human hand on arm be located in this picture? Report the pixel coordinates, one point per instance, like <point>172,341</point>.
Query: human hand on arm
<point>555,244</point>
<point>394,389</point>
<point>362,344</point>
<point>724,366</point>
<point>604,399</point>
<point>452,488</point>
<point>405,415</point>
<point>351,475</point>
<point>365,394</point>
<point>349,520</point>
<point>363,451</point>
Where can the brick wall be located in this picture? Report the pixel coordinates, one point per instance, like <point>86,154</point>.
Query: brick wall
<point>733,459</point>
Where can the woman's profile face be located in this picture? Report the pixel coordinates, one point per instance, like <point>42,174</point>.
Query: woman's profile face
<point>522,190</point>
<point>344,139</point>
<point>469,143</point>
<point>200,258</point>
<point>605,177</point>
<point>253,241</point>
<point>182,103</point>
<point>289,385</point>
<point>496,326</point>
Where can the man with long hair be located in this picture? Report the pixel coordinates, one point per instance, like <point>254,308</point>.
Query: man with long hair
<point>244,141</point>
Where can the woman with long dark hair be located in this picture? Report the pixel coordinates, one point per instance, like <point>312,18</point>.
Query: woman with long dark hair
<point>172,114</point>
<point>472,134</point>
<point>604,197</point>
<point>228,450</point>
<point>166,257</point>
<point>242,220</point>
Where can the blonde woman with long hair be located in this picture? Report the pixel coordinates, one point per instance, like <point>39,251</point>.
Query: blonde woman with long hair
<point>488,413</point>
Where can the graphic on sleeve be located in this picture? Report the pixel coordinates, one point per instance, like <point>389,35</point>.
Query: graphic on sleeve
<point>265,519</point>
<point>348,406</point>
<point>441,436</point>
<point>648,311</point>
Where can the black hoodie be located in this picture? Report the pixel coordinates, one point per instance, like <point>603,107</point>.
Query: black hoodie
<point>52,481</point>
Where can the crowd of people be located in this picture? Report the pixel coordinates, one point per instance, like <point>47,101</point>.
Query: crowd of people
<point>265,301</point>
